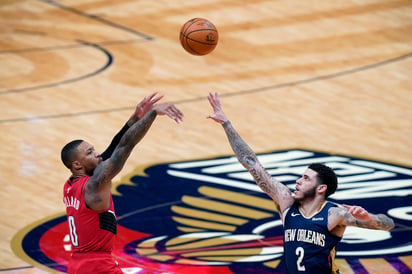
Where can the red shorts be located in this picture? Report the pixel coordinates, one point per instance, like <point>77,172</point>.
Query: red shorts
<point>93,262</point>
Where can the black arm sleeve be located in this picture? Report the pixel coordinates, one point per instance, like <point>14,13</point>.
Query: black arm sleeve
<point>108,152</point>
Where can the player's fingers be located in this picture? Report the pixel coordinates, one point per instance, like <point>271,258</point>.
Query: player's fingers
<point>211,100</point>
<point>216,97</point>
<point>155,100</point>
<point>176,119</point>
<point>359,210</point>
<point>215,103</point>
<point>152,95</point>
<point>149,97</point>
<point>211,117</point>
<point>176,111</point>
<point>212,96</point>
<point>175,114</point>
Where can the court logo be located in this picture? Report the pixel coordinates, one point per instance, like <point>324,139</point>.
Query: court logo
<point>208,216</point>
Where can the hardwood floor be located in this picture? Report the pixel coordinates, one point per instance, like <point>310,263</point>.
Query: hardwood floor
<point>331,76</point>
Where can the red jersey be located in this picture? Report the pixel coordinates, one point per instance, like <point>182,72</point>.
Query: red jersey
<point>90,230</point>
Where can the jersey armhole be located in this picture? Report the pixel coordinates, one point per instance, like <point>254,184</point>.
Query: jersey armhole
<point>84,186</point>
<point>284,213</point>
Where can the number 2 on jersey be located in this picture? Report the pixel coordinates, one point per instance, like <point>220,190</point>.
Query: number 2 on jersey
<point>300,252</point>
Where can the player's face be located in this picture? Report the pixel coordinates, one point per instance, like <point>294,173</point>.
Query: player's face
<point>88,157</point>
<point>306,186</point>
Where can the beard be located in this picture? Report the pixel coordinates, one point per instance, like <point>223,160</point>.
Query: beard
<point>308,194</point>
<point>90,169</point>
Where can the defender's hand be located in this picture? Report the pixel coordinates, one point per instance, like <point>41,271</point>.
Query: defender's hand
<point>218,115</point>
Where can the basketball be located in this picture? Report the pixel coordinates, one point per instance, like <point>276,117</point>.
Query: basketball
<point>199,36</point>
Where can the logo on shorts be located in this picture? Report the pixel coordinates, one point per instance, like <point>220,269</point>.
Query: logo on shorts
<point>209,215</point>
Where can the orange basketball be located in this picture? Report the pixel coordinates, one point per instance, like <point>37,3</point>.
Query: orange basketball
<point>198,36</point>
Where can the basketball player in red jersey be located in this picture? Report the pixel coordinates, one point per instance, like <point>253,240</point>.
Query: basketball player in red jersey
<point>87,193</point>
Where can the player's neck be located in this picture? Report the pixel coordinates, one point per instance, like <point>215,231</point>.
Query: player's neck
<point>309,208</point>
<point>77,175</point>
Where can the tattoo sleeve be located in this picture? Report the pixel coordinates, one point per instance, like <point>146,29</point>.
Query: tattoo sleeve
<point>105,172</point>
<point>378,221</point>
<point>130,139</point>
<point>245,155</point>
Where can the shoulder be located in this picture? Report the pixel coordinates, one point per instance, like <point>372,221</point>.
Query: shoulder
<point>293,207</point>
<point>76,181</point>
<point>336,218</point>
<point>336,215</point>
<point>337,211</point>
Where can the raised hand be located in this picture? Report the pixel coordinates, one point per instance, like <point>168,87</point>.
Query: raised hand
<point>170,110</point>
<point>218,115</point>
<point>143,107</point>
<point>146,104</point>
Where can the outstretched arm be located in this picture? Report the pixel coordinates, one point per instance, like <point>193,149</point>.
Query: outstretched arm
<point>141,109</point>
<point>98,188</point>
<point>345,215</point>
<point>360,217</point>
<point>279,193</point>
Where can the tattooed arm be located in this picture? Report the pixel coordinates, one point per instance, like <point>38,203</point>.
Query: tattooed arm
<point>360,217</point>
<point>279,193</point>
<point>98,187</point>
<point>141,109</point>
<point>340,217</point>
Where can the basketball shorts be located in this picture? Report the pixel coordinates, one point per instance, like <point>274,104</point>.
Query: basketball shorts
<point>93,262</point>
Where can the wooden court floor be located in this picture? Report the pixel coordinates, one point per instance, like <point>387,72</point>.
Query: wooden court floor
<point>331,76</point>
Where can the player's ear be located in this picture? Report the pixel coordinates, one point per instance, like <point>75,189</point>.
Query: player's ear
<point>76,165</point>
<point>322,188</point>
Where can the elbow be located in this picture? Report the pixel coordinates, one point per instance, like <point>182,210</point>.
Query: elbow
<point>391,224</point>
<point>387,224</point>
<point>248,161</point>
